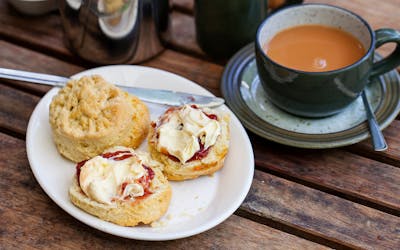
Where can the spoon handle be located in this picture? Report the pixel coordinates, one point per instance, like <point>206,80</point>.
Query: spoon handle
<point>378,140</point>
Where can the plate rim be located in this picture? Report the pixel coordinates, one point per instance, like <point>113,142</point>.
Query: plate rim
<point>231,92</point>
<point>161,237</point>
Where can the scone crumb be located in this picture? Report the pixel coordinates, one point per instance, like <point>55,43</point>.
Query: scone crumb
<point>163,222</point>
<point>186,214</point>
<point>158,223</point>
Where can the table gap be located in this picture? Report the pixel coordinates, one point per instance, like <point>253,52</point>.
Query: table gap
<point>191,53</point>
<point>292,230</point>
<point>23,88</point>
<point>66,57</point>
<point>183,9</point>
<point>377,157</point>
<point>330,191</point>
<point>73,59</point>
<point>12,133</point>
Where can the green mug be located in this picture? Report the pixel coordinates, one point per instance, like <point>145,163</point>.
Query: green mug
<point>319,94</point>
<point>223,27</point>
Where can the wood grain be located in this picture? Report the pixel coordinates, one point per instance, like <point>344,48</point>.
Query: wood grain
<point>204,73</point>
<point>17,57</point>
<point>15,109</point>
<point>45,225</point>
<point>382,14</point>
<point>32,61</point>
<point>314,200</point>
<point>334,170</point>
<point>321,214</point>
<point>185,5</point>
<point>46,35</point>
<point>329,170</point>
<point>43,33</point>
<point>391,155</point>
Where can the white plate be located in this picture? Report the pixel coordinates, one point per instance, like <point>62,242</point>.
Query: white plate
<point>196,205</point>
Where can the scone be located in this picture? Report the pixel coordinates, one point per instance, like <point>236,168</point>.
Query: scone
<point>90,115</point>
<point>189,141</point>
<point>121,186</point>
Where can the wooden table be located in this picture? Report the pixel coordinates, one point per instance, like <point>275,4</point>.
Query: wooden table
<point>335,198</point>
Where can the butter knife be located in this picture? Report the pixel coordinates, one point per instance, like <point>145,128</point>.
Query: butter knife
<point>160,96</point>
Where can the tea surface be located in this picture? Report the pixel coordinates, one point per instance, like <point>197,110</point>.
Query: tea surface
<point>314,48</point>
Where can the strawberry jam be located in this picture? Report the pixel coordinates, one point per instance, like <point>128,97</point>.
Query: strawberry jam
<point>112,154</point>
<point>144,181</point>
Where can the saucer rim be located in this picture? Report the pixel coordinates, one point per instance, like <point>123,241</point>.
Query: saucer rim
<point>230,89</point>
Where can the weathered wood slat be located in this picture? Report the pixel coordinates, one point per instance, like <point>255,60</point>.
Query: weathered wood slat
<point>45,225</point>
<point>392,155</point>
<point>271,198</point>
<point>334,170</point>
<point>386,17</point>
<point>41,32</point>
<point>186,6</point>
<point>57,229</point>
<point>16,57</point>
<point>204,73</point>
<point>321,214</point>
<point>45,32</point>
<point>280,159</point>
<point>15,109</point>
<point>308,205</point>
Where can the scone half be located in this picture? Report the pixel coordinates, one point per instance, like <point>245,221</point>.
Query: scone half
<point>90,115</point>
<point>190,142</point>
<point>121,186</point>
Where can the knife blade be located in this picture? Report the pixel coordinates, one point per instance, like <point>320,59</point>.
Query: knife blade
<point>160,96</point>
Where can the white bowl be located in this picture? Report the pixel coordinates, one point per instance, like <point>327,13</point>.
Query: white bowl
<point>34,7</point>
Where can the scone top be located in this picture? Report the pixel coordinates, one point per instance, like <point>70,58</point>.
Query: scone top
<point>89,106</point>
<point>186,131</point>
<point>90,115</point>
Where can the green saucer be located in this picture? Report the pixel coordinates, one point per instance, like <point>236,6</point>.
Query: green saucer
<point>244,94</point>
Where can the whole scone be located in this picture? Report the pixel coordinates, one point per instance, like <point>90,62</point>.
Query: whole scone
<point>90,115</point>
<point>121,186</point>
<point>189,141</point>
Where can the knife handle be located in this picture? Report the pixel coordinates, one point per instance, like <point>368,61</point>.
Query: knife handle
<point>27,76</point>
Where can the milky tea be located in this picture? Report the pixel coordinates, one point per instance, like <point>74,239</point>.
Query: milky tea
<point>314,48</point>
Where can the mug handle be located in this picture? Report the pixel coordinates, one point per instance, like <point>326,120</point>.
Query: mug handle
<point>383,36</point>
